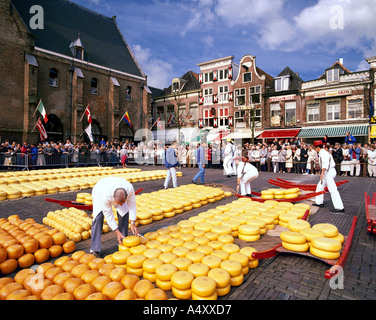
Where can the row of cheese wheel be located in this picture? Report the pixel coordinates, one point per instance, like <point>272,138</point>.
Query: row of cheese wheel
<point>84,198</point>
<point>322,240</point>
<point>14,188</point>
<point>172,258</point>
<point>280,193</point>
<point>161,204</point>
<point>80,276</point>
<point>24,242</point>
<point>74,223</point>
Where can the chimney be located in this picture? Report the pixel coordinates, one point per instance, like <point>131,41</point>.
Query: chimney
<point>341,61</point>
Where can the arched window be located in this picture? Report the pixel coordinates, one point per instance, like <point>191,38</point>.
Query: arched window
<point>129,93</point>
<point>53,77</point>
<point>94,86</point>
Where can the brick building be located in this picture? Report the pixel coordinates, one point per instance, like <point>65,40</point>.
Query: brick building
<point>177,107</point>
<point>283,110</point>
<point>216,105</point>
<point>249,88</point>
<point>336,103</point>
<point>71,58</point>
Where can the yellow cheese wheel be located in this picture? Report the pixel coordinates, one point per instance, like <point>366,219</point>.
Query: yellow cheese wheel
<point>164,272</point>
<point>267,196</point>
<point>198,269</point>
<point>224,291</point>
<point>135,271</point>
<point>312,233</point>
<point>182,280</point>
<point>216,245</point>
<point>150,265</point>
<point>180,251</point>
<point>203,286</point>
<point>330,230</point>
<point>286,217</point>
<point>221,229</point>
<point>324,254</point>
<point>249,230</point>
<point>182,294</point>
<point>136,261</point>
<point>292,191</point>
<point>296,247</point>
<point>298,225</point>
<point>237,280</point>
<point>293,237</point>
<point>231,248</point>
<point>326,244</point>
<point>195,256</point>
<point>226,238</point>
<point>248,238</point>
<point>120,257</point>
<point>234,268</point>
<point>131,241</point>
<point>152,252</point>
<point>248,251</point>
<point>143,215</point>
<point>253,264</point>
<point>240,257</point>
<point>256,222</point>
<point>267,192</point>
<point>291,196</point>
<point>220,276</point>
<point>339,237</point>
<point>164,285</point>
<point>212,261</point>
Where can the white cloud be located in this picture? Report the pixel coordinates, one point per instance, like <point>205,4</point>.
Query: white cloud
<point>159,72</point>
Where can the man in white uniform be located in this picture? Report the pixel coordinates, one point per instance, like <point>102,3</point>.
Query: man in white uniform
<point>107,193</point>
<point>246,173</point>
<point>229,158</point>
<point>328,174</point>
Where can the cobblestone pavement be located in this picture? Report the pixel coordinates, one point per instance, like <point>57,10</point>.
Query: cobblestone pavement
<point>284,277</point>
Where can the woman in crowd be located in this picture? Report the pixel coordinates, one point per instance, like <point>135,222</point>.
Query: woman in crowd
<point>345,165</point>
<point>289,158</point>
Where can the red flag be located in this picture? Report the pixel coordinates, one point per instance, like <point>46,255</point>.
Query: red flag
<point>42,130</point>
<point>87,112</point>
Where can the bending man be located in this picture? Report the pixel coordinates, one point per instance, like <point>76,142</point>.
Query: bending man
<point>246,173</point>
<point>107,193</point>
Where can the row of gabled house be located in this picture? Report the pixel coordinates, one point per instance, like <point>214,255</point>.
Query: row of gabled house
<point>243,102</point>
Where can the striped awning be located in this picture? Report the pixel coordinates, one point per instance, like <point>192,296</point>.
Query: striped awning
<point>334,131</point>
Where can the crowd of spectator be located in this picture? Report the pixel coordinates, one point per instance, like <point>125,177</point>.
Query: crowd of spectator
<point>279,156</point>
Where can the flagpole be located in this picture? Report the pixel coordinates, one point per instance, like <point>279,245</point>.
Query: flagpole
<point>83,114</point>
<point>32,131</point>
<point>121,118</point>
<point>153,125</point>
<point>37,109</point>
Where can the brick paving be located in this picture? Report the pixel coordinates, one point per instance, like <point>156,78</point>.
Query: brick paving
<point>283,277</point>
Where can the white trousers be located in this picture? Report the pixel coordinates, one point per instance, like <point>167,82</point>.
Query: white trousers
<point>228,165</point>
<point>171,172</point>
<point>372,170</point>
<point>354,164</point>
<point>245,182</point>
<point>329,182</point>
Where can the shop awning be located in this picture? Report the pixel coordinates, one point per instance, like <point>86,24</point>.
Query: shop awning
<point>279,134</point>
<point>334,131</point>
<point>373,132</point>
<point>243,134</point>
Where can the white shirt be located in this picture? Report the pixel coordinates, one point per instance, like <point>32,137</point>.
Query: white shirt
<point>243,168</point>
<point>326,160</point>
<point>103,200</point>
<point>229,150</point>
<point>371,156</point>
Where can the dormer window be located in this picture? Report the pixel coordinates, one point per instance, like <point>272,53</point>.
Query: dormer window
<point>332,75</point>
<point>175,85</point>
<point>77,48</point>
<point>282,83</point>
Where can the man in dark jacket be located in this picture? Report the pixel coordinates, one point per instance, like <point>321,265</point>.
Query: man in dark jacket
<point>338,157</point>
<point>201,161</point>
<point>171,162</point>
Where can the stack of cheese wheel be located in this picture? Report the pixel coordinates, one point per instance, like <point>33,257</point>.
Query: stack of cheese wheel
<point>204,288</point>
<point>181,282</point>
<point>253,263</point>
<point>222,279</point>
<point>249,232</point>
<point>269,220</point>
<point>285,218</point>
<point>291,193</point>
<point>267,194</point>
<point>144,217</point>
<point>328,247</point>
<point>258,223</point>
<point>164,274</point>
<point>294,241</point>
<point>81,197</point>
<point>279,193</point>
<point>234,268</point>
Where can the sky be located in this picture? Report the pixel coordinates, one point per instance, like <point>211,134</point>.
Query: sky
<point>170,37</point>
